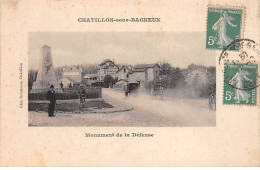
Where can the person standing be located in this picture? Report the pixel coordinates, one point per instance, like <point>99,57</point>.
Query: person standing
<point>51,96</point>
<point>82,94</point>
<point>126,89</point>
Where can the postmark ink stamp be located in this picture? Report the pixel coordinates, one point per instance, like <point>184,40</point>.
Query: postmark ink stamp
<point>248,52</point>
<point>240,83</point>
<point>224,25</point>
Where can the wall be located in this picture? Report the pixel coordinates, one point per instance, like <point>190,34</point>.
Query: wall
<point>203,77</point>
<point>122,75</point>
<point>73,75</point>
<point>140,76</point>
<point>103,72</point>
<point>120,85</point>
<point>65,82</point>
<point>156,72</point>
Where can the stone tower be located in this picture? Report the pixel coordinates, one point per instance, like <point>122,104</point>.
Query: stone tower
<point>46,75</point>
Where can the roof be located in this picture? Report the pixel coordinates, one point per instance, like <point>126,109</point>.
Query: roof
<point>122,68</point>
<point>143,67</point>
<point>139,69</point>
<point>130,72</point>
<point>46,46</point>
<point>122,80</point>
<point>71,69</point>
<point>200,69</point>
<point>107,60</point>
<point>146,66</point>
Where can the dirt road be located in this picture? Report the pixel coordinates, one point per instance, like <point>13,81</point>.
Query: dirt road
<point>147,112</point>
<point>177,112</point>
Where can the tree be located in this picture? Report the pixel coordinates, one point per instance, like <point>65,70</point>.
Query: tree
<point>194,66</point>
<point>191,66</point>
<point>89,69</point>
<point>165,74</point>
<point>176,78</point>
<point>211,70</point>
<point>171,77</point>
<point>32,75</point>
<point>165,69</point>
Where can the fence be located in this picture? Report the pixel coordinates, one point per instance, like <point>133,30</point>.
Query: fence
<point>92,93</point>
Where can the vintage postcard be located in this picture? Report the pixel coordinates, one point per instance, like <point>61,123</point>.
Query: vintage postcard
<point>129,83</point>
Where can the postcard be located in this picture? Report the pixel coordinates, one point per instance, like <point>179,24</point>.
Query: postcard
<point>129,83</point>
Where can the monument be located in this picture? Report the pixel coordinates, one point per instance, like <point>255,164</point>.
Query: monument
<point>46,75</point>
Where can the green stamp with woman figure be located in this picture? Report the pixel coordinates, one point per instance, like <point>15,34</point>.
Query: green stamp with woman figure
<point>240,83</point>
<point>224,25</point>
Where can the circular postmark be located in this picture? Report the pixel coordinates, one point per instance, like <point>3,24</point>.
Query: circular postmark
<point>240,59</point>
<point>247,52</point>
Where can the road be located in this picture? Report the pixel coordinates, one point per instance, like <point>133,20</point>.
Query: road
<point>167,112</point>
<point>147,112</point>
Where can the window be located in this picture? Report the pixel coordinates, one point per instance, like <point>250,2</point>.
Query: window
<point>124,70</point>
<point>156,74</point>
<point>127,76</point>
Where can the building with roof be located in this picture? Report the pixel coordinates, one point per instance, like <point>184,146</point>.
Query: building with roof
<point>198,74</point>
<point>90,79</point>
<point>144,73</point>
<point>67,82</point>
<point>107,67</point>
<point>71,76</point>
<point>73,72</point>
<point>123,73</point>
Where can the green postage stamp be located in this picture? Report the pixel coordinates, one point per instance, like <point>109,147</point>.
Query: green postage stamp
<point>240,83</point>
<point>223,26</point>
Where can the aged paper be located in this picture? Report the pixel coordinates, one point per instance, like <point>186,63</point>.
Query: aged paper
<point>129,83</point>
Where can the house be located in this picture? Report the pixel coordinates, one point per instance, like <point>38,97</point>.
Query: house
<point>71,75</point>
<point>144,73</point>
<point>198,74</point>
<point>73,72</point>
<point>90,79</point>
<point>107,67</point>
<point>67,82</point>
<point>123,73</point>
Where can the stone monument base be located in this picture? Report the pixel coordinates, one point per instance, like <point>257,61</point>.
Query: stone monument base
<point>43,87</point>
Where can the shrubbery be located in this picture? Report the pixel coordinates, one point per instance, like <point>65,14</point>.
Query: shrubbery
<point>91,94</point>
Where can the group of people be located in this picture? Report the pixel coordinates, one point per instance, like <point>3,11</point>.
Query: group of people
<point>51,96</point>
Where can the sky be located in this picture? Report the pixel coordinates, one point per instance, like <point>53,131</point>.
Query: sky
<point>177,48</point>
